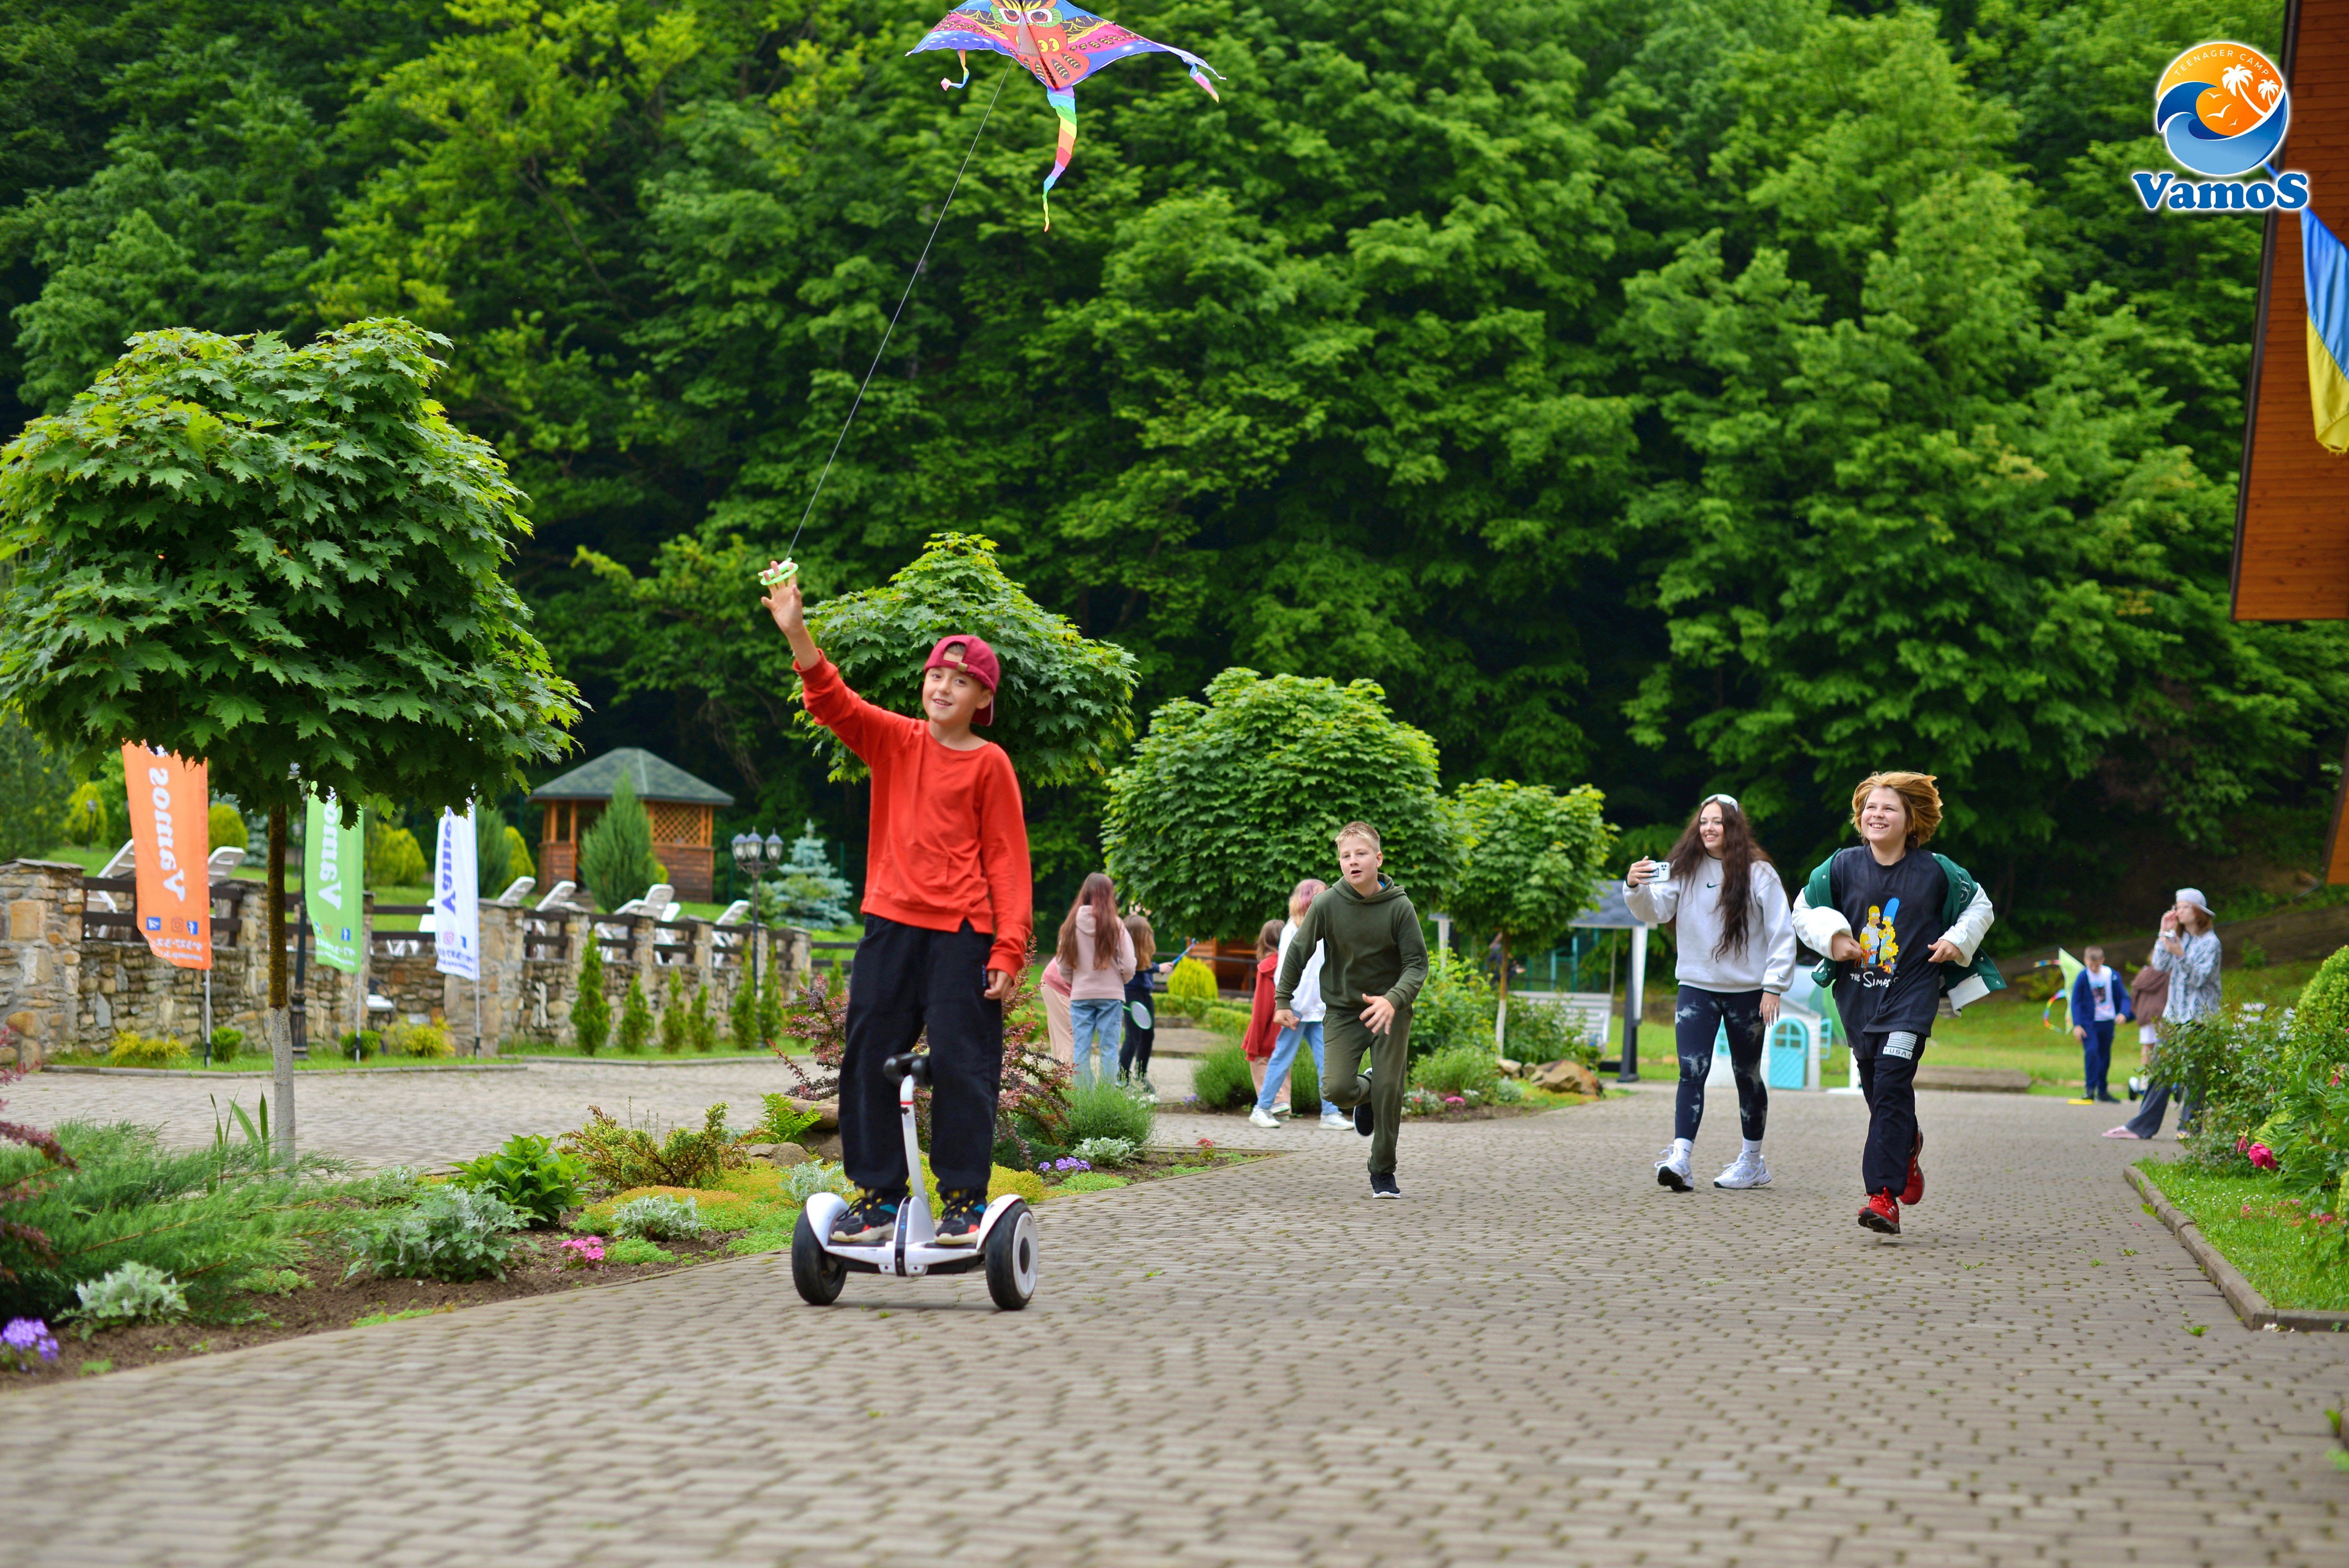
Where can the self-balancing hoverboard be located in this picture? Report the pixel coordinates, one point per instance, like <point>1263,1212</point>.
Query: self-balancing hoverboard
<point>1006,1247</point>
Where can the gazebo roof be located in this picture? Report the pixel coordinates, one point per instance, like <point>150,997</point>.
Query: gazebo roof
<point>654,779</point>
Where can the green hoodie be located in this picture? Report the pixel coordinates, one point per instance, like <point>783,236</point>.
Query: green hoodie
<point>1375,948</point>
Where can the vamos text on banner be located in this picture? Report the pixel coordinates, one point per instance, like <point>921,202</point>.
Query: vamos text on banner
<point>171,830</point>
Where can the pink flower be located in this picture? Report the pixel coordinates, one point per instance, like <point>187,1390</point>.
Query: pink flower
<point>2261,1156</point>
<point>585,1251</point>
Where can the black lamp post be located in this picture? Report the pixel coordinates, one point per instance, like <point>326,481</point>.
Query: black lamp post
<point>752,854</point>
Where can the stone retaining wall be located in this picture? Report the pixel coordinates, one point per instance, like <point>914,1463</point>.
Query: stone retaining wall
<point>63,990</point>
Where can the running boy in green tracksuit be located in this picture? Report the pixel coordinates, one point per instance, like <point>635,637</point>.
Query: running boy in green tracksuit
<point>1372,968</point>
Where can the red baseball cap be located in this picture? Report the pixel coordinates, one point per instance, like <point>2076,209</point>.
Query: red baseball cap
<point>973,657</point>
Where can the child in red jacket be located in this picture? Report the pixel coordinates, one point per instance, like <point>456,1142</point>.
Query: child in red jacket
<point>1262,1036</point>
<point>946,921</point>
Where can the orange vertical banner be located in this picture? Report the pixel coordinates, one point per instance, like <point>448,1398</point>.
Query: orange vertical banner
<point>170,828</point>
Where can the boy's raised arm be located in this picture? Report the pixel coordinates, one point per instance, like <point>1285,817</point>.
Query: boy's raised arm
<point>826,696</point>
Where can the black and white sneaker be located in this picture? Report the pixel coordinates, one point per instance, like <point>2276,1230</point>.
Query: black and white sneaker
<point>870,1219</point>
<point>961,1209</point>
<point>1383,1185</point>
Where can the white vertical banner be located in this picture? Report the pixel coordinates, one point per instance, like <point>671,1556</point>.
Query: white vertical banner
<point>457,898</point>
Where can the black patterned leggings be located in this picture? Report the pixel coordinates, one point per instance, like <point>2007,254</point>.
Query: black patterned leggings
<point>1701,1017</point>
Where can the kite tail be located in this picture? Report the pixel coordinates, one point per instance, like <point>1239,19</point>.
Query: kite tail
<point>1199,75</point>
<point>1064,103</point>
<point>964,55</point>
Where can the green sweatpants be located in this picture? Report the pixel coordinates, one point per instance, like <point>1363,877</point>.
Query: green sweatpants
<point>1345,1041</point>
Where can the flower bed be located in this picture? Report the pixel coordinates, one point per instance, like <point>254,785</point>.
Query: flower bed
<point>2288,1248</point>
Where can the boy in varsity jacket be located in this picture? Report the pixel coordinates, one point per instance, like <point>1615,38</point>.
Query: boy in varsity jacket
<point>1899,929</point>
<point>946,921</point>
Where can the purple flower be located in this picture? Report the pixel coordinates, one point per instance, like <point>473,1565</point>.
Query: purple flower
<point>26,1337</point>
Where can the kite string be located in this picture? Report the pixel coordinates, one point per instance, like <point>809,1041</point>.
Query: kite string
<point>1001,77</point>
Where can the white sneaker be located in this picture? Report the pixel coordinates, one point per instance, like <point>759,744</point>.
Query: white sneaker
<point>1672,1170</point>
<point>1258,1117</point>
<point>1745,1170</point>
<point>1281,1111</point>
<point>1336,1122</point>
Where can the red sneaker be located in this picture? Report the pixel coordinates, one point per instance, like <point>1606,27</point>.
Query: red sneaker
<point>1915,1192</point>
<point>1882,1213</point>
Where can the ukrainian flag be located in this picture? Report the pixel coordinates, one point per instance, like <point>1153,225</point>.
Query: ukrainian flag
<point>2327,262</point>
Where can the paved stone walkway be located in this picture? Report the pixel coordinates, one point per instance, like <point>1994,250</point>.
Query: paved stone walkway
<point>1538,1356</point>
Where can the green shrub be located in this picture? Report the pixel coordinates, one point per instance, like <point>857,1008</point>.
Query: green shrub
<point>1304,1079</point>
<point>742,1013</point>
<point>1106,1150</point>
<point>783,1123</point>
<point>1455,1008</point>
<point>673,1030</point>
<point>2321,1017</point>
<point>226,1043</point>
<point>636,1250</point>
<point>1222,1079</point>
<point>423,1040</point>
<point>591,1010</point>
<point>361,1044</point>
<point>635,1019</point>
<point>133,1050</point>
<point>1227,1018</point>
<point>618,1157</point>
<point>1091,1181</point>
<point>2254,956</point>
<point>1109,1109</point>
<point>273,1281</point>
<point>803,1181</point>
<point>448,1233</point>
<point>206,1216</point>
<point>700,1028</point>
<point>1457,1069</point>
<point>1190,988</point>
<point>132,1293</point>
<point>658,1218</point>
<point>1547,1032</point>
<point>530,1173</point>
<point>1508,1091</point>
<point>615,854</point>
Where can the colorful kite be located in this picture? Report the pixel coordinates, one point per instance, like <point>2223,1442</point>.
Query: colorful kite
<point>1060,45</point>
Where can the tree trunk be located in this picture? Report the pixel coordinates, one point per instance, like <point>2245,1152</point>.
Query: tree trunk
<point>1501,1013</point>
<point>278,1019</point>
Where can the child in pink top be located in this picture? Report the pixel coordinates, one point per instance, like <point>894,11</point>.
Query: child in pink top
<point>1097,957</point>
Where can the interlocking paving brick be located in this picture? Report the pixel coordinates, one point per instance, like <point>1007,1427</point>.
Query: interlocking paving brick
<point>1538,1356</point>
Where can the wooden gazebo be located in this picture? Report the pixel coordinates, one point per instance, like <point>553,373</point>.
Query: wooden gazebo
<point>680,806</point>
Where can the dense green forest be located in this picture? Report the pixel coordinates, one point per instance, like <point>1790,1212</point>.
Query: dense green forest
<point>1718,394</point>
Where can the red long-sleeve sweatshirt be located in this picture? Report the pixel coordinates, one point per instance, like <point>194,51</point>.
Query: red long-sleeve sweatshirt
<point>948,840</point>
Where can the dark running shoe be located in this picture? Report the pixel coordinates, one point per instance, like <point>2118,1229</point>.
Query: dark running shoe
<point>866,1221</point>
<point>1384,1185</point>
<point>962,1209</point>
<point>1882,1214</point>
<point>1365,1119</point>
<point>1914,1193</point>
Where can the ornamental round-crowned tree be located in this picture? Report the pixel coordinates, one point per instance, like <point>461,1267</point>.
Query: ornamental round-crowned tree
<point>1066,709</point>
<point>1531,859</point>
<point>285,562</point>
<point>1225,806</point>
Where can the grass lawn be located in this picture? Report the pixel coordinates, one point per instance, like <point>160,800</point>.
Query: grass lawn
<point>2257,1230</point>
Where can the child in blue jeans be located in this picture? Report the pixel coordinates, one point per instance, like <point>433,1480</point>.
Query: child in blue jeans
<point>1097,958</point>
<point>1311,1011</point>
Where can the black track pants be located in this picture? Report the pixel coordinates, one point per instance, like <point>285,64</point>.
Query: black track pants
<point>906,979</point>
<point>1702,1015</point>
<point>1888,1081</point>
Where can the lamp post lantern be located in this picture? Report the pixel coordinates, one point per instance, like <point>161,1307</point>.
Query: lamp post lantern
<point>749,854</point>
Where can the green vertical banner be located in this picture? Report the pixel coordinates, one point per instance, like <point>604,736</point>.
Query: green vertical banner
<point>333,870</point>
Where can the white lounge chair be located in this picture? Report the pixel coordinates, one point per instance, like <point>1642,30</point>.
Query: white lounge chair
<point>517,891</point>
